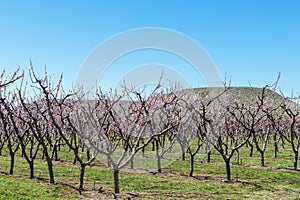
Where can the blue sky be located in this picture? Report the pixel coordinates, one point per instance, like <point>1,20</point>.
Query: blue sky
<point>248,40</point>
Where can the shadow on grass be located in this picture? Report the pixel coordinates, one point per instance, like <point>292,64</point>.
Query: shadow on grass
<point>45,180</point>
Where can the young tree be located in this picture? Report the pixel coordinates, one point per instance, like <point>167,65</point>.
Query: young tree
<point>227,136</point>
<point>294,126</point>
<point>9,135</point>
<point>62,114</point>
<point>4,83</point>
<point>38,118</point>
<point>286,122</point>
<point>225,131</point>
<point>114,125</point>
<point>29,145</point>
<point>249,114</point>
<point>169,112</point>
<point>193,127</point>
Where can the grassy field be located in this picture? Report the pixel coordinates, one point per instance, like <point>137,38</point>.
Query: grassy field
<point>276,181</point>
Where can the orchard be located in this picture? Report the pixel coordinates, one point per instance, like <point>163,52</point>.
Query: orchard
<point>40,122</point>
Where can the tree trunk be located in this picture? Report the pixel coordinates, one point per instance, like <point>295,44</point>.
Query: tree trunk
<point>159,163</point>
<point>88,154</point>
<point>282,143</point>
<point>251,150</point>
<point>108,161</point>
<point>262,158</point>
<point>30,150</point>
<point>12,157</point>
<point>183,153</point>
<point>158,157</point>
<point>59,145</point>
<point>153,146</point>
<point>1,147</point>
<point>275,146</point>
<point>131,164</point>
<point>50,168</point>
<point>82,149</point>
<point>51,174</point>
<point>75,160</point>
<point>143,151</point>
<point>81,176</point>
<point>116,181</point>
<point>192,159</point>
<point>31,167</point>
<point>55,153</point>
<point>12,163</point>
<point>296,160</point>
<point>228,172</point>
<point>208,156</point>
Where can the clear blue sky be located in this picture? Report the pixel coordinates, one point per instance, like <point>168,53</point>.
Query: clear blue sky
<point>248,40</point>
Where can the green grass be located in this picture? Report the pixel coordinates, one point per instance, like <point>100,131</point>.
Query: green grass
<point>276,181</point>
<point>16,187</point>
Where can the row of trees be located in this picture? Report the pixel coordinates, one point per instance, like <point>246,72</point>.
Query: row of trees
<point>122,126</point>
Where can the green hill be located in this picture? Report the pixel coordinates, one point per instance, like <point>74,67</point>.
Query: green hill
<point>244,93</point>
